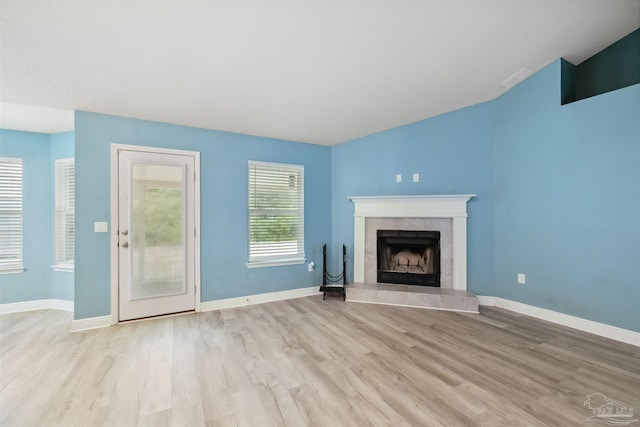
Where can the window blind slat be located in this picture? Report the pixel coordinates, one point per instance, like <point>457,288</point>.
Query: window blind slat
<point>10,213</point>
<point>276,212</point>
<point>65,215</point>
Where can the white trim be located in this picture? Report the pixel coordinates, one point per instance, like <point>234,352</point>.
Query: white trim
<point>41,304</point>
<point>196,225</point>
<point>61,304</point>
<point>420,206</point>
<point>12,169</point>
<point>115,226</point>
<point>90,323</point>
<point>64,204</point>
<point>259,174</point>
<point>258,298</point>
<point>105,321</point>
<point>260,264</point>
<point>62,268</point>
<point>16,307</point>
<point>152,149</point>
<point>452,206</point>
<point>486,300</point>
<point>12,270</point>
<point>596,328</point>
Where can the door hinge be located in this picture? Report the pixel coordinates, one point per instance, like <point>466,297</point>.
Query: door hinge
<point>195,233</point>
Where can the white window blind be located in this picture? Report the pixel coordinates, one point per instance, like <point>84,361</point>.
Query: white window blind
<point>276,213</point>
<point>65,213</point>
<point>11,214</point>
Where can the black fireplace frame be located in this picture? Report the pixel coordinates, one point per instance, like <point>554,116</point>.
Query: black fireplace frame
<point>410,240</point>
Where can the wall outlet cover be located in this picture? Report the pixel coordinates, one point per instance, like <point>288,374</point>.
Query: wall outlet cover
<point>521,278</point>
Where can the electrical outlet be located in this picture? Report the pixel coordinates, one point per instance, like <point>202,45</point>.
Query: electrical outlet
<point>310,266</point>
<point>416,177</point>
<point>522,278</point>
<point>398,178</point>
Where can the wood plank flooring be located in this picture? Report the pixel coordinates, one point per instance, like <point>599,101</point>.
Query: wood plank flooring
<point>309,362</point>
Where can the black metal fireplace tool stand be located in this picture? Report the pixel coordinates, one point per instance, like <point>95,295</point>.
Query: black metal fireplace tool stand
<point>330,283</point>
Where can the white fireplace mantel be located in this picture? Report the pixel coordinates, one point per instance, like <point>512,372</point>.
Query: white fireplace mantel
<point>453,206</point>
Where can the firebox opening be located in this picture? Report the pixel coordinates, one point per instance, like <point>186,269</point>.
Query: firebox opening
<point>409,257</point>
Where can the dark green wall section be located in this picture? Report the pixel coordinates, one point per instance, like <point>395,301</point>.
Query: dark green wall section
<point>567,82</point>
<point>613,68</point>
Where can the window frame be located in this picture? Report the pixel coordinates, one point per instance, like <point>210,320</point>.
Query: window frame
<point>64,206</point>
<point>18,265</point>
<point>290,258</point>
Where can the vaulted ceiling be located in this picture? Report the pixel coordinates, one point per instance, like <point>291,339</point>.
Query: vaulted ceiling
<point>318,71</point>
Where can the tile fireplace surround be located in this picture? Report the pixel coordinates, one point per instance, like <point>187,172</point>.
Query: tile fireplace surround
<point>444,213</point>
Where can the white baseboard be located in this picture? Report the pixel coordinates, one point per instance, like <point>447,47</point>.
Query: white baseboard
<point>105,321</point>
<point>596,328</point>
<point>61,304</point>
<point>258,299</point>
<point>41,304</point>
<point>90,323</point>
<point>16,307</point>
<point>484,300</point>
<point>601,329</point>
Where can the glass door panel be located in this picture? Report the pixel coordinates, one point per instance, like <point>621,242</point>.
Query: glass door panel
<point>157,231</point>
<point>156,193</point>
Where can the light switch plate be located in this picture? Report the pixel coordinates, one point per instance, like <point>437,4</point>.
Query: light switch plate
<point>416,177</point>
<point>101,227</point>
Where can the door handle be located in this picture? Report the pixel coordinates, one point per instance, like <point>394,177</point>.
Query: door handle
<point>125,245</point>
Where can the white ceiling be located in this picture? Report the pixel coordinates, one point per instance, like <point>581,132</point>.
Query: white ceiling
<point>35,119</point>
<point>318,71</point>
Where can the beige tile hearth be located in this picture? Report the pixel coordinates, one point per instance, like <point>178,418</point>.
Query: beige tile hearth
<point>413,296</point>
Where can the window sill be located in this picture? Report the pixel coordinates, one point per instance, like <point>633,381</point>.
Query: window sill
<point>276,263</point>
<point>15,270</point>
<point>63,268</point>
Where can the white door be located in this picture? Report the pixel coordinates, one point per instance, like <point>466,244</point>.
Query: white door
<point>156,222</point>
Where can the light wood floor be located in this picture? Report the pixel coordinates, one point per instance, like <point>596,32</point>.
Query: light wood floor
<point>309,362</point>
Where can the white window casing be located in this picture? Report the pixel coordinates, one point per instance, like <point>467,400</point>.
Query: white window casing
<point>11,249</point>
<point>276,214</point>
<point>65,214</point>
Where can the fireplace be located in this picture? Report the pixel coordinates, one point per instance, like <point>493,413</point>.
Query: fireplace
<point>444,213</point>
<point>408,257</point>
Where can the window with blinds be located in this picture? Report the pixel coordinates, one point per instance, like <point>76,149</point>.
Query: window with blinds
<point>65,213</point>
<point>11,215</point>
<point>276,214</point>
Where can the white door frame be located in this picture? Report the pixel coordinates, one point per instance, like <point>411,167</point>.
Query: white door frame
<point>115,226</point>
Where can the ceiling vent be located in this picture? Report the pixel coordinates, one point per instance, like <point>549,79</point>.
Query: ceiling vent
<point>519,76</point>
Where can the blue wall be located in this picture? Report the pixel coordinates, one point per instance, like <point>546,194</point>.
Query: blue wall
<point>567,200</point>
<point>558,193</point>
<point>224,238</point>
<point>558,198</point>
<point>61,147</point>
<point>37,208</point>
<point>453,155</point>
